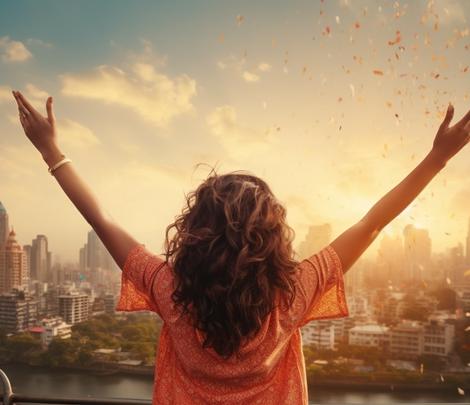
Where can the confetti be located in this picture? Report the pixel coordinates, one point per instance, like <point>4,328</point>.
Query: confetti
<point>448,281</point>
<point>240,19</point>
<point>353,91</point>
<point>397,38</point>
<point>460,391</point>
<point>337,20</point>
<point>357,25</point>
<point>378,72</point>
<point>442,378</point>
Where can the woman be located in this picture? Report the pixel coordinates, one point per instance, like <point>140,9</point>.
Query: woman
<point>230,295</point>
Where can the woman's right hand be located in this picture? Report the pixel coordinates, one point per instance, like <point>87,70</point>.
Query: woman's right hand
<point>449,140</point>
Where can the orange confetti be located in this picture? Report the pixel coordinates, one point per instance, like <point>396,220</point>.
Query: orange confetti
<point>397,38</point>
<point>378,72</point>
<point>340,99</point>
<point>357,25</point>
<point>327,30</point>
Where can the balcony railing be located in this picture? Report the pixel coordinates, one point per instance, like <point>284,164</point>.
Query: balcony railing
<point>11,398</point>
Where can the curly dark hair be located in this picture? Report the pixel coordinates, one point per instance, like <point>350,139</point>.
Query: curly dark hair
<point>231,254</point>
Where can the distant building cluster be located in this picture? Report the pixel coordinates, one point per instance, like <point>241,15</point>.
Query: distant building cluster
<point>43,298</point>
<point>388,298</point>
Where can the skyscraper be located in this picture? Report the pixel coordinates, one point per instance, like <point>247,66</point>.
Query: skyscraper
<point>4,227</point>
<point>318,237</point>
<point>40,259</point>
<point>417,251</point>
<point>12,265</point>
<point>467,257</point>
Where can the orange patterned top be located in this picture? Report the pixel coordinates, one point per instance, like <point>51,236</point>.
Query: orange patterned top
<point>271,367</point>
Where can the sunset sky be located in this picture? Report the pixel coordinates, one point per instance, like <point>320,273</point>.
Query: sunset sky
<point>332,103</point>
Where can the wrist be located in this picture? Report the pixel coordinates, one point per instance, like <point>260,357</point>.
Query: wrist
<point>436,159</point>
<point>52,155</point>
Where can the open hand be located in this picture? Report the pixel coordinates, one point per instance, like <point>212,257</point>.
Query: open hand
<point>449,140</point>
<point>40,130</point>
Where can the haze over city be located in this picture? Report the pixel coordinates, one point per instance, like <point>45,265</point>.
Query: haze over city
<point>302,95</point>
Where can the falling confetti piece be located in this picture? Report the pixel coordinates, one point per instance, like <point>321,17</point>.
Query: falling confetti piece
<point>396,40</point>
<point>460,391</point>
<point>357,25</point>
<point>337,20</point>
<point>340,99</point>
<point>326,31</point>
<point>442,378</point>
<point>353,91</point>
<point>467,329</point>
<point>448,280</point>
<point>378,72</point>
<point>240,19</point>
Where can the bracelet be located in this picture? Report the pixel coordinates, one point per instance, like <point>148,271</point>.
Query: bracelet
<point>58,164</point>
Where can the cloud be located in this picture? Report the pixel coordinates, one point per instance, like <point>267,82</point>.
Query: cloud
<point>154,96</point>
<point>5,94</point>
<point>74,135</point>
<point>238,140</point>
<point>238,65</point>
<point>39,42</point>
<point>13,51</point>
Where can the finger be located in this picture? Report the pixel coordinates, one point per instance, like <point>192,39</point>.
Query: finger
<point>21,106</point>
<point>464,120</point>
<point>448,117</point>
<point>27,104</point>
<point>50,112</point>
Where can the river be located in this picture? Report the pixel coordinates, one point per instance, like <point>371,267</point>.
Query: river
<point>46,382</point>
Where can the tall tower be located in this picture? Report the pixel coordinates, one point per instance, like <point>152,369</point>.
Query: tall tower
<point>318,237</point>
<point>467,257</point>
<point>40,259</point>
<point>4,227</point>
<point>417,244</point>
<point>12,265</point>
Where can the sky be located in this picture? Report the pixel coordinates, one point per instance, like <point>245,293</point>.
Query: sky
<point>332,103</point>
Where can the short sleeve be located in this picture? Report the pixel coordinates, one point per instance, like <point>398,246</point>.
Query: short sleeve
<point>320,288</point>
<point>139,280</point>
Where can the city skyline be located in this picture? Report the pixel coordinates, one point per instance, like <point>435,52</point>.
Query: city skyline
<point>332,103</point>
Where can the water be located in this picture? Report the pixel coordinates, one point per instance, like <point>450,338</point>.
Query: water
<point>46,382</point>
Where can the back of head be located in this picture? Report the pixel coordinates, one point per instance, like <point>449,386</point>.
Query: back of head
<point>231,254</point>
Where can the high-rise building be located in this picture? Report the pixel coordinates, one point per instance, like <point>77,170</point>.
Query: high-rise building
<point>95,261</point>
<point>4,226</point>
<point>417,245</point>
<point>12,265</point>
<point>468,243</point>
<point>74,307</point>
<point>40,259</point>
<point>318,237</point>
<point>391,258</point>
<point>18,311</point>
<point>27,252</point>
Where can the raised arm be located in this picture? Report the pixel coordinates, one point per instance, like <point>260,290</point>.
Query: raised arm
<point>41,131</point>
<point>352,243</point>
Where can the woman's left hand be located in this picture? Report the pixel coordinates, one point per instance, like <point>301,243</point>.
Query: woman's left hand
<point>40,130</point>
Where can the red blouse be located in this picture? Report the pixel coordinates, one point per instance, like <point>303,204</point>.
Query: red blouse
<point>271,367</point>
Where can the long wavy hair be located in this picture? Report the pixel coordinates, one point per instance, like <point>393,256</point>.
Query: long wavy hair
<point>231,255</point>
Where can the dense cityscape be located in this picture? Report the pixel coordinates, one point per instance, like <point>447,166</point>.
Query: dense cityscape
<point>409,310</point>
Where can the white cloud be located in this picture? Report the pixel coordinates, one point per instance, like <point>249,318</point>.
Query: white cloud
<point>5,94</point>
<point>13,51</point>
<point>156,97</point>
<point>39,42</point>
<point>73,135</point>
<point>238,140</point>
<point>238,65</point>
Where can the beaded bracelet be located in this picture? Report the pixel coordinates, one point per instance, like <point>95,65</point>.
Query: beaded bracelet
<point>58,164</point>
